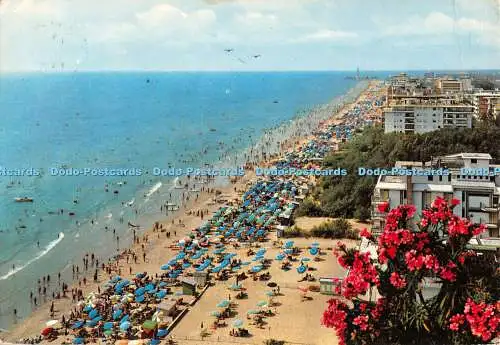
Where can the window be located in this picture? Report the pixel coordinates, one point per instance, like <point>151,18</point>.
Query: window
<point>449,178</point>
<point>429,178</point>
<point>473,160</point>
<point>440,178</point>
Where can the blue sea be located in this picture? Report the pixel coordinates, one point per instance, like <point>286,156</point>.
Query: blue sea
<point>119,120</point>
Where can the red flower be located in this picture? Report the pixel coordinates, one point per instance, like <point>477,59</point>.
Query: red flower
<point>365,233</point>
<point>397,281</point>
<point>361,321</point>
<point>455,202</point>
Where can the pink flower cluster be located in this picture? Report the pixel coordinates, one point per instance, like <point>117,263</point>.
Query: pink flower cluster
<point>362,274</point>
<point>397,281</point>
<point>482,318</point>
<point>335,317</point>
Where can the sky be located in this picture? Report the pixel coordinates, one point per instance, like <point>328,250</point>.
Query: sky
<point>260,35</point>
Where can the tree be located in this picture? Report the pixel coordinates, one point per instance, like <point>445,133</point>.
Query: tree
<point>464,311</point>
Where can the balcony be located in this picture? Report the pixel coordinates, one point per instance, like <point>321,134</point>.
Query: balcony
<point>489,208</point>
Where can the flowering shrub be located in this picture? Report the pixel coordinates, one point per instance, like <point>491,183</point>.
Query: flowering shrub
<point>465,309</point>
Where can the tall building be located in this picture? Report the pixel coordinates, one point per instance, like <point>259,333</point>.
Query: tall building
<point>425,113</point>
<point>485,104</point>
<point>452,85</point>
<point>462,176</point>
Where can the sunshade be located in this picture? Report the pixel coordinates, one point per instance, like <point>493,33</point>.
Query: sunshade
<point>237,323</point>
<point>149,324</point>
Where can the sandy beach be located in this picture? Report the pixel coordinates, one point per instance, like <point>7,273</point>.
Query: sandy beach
<point>296,320</point>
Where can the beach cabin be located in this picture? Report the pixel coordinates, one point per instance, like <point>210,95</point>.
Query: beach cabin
<point>280,231</point>
<point>327,286</point>
<point>200,278</point>
<point>188,286</point>
<point>168,307</point>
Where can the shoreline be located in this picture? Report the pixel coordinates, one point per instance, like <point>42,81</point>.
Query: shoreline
<point>157,243</point>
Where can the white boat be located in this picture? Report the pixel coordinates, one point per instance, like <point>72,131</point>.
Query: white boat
<point>23,199</point>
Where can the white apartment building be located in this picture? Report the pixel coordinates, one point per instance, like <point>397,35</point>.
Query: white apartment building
<point>421,114</point>
<point>479,195</point>
<point>486,103</point>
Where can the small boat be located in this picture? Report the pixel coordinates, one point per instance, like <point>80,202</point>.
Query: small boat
<point>133,225</point>
<point>195,190</point>
<point>23,199</point>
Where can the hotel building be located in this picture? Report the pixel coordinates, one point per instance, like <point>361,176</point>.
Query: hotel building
<point>426,113</point>
<point>479,195</point>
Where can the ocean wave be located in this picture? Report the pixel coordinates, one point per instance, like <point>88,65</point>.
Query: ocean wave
<point>153,189</point>
<point>47,249</point>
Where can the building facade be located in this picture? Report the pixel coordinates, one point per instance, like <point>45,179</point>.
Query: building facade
<point>421,114</point>
<point>466,181</point>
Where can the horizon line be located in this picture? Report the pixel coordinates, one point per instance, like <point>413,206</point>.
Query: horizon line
<point>243,71</point>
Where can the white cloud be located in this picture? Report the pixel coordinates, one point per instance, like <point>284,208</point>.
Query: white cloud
<point>256,19</point>
<point>437,23</point>
<point>29,8</point>
<point>327,35</point>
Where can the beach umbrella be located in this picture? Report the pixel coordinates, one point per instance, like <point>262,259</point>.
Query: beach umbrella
<point>87,308</point>
<point>46,331</point>
<point>280,257</point>
<point>261,303</point>
<point>149,324</point>
<point>303,289</point>
<point>108,332</point>
<point>305,259</point>
<point>140,291</point>
<point>161,332</point>
<point>51,323</point>
<point>140,299</point>
<point>215,313</point>
<point>78,324</point>
<point>313,251</point>
<point>125,318</point>
<point>235,286</point>
<point>78,341</point>
<point>301,269</point>
<point>117,314</point>
<point>272,284</point>
<point>108,326</point>
<point>165,267</point>
<point>315,244</point>
<point>160,294</point>
<point>223,303</point>
<point>93,313</point>
<point>256,269</point>
<point>253,312</point>
<point>270,293</point>
<point>150,287</point>
<point>140,275</point>
<point>237,323</point>
<point>125,325</point>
